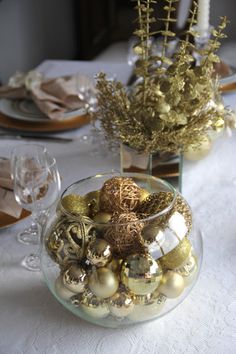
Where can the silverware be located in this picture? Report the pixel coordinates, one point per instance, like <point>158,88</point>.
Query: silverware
<point>48,138</point>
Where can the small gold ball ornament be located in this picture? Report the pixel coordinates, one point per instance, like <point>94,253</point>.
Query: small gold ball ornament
<point>172,284</point>
<point>121,304</point>
<point>147,306</point>
<point>103,282</point>
<point>93,306</point>
<point>198,152</point>
<point>61,290</point>
<point>75,203</point>
<point>75,279</point>
<point>188,270</point>
<point>141,274</point>
<point>99,252</point>
<point>102,217</point>
<point>177,256</point>
<point>92,200</point>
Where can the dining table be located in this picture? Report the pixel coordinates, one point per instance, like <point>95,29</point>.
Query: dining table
<point>33,321</point>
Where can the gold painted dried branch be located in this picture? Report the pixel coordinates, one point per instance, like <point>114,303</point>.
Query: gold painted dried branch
<point>173,104</point>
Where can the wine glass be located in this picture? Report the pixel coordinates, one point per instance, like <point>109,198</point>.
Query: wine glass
<point>36,186</point>
<point>36,154</point>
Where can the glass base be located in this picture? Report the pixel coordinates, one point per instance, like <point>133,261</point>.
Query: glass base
<point>166,166</point>
<point>29,236</point>
<point>32,262</point>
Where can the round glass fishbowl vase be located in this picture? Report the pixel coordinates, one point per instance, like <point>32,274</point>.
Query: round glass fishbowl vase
<point>121,249</point>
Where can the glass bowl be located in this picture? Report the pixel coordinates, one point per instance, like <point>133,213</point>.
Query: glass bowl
<point>121,249</point>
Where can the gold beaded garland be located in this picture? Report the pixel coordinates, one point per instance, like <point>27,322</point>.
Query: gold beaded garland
<point>172,284</point>
<point>177,256</point>
<point>141,274</point>
<point>103,282</point>
<point>99,252</point>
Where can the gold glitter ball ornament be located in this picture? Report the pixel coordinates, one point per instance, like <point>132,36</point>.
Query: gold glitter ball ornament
<point>75,203</point>
<point>188,270</point>
<point>103,282</point>
<point>120,194</point>
<point>99,252</point>
<point>93,306</point>
<point>172,284</point>
<point>177,256</point>
<point>124,234</point>
<point>92,199</point>
<point>62,291</point>
<point>141,274</point>
<point>75,279</point>
<point>121,304</point>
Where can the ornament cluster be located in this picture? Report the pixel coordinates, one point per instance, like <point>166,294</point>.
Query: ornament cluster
<point>122,251</point>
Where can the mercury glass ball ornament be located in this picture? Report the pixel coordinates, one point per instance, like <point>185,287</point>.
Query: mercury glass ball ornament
<point>116,259</point>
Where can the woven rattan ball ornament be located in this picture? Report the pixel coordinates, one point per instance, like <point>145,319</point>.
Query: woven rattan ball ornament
<point>124,234</point>
<point>76,204</point>
<point>119,194</point>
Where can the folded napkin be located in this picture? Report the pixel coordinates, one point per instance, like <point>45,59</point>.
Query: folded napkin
<point>53,97</point>
<point>8,204</point>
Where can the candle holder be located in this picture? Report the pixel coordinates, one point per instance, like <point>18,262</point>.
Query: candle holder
<point>201,40</point>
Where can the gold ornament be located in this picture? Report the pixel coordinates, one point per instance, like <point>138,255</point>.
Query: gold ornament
<point>114,265</point>
<point>102,217</point>
<point>75,279</point>
<point>172,284</point>
<point>147,306</point>
<point>63,292</point>
<point>141,274</point>
<point>153,238</point>
<point>99,252</point>
<point>198,152</point>
<point>76,204</point>
<point>103,282</point>
<point>120,194</point>
<point>92,200</point>
<point>93,306</point>
<point>188,270</point>
<point>121,304</point>
<point>177,256</point>
<point>124,234</point>
<point>143,195</point>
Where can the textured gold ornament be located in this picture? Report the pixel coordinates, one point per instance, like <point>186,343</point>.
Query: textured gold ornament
<point>76,204</point>
<point>143,195</point>
<point>93,306</point>
<point>99,252</point>
<point>198,152</point>
<point>120,194</point>
<point>141,274</point>
<point>103,282</point>
<point>172,284</point>
<point>102,217</point>
<point>188,270</point>
<point>63,292</point>
<point>75,279</point>
<point>124,234</point>
<point>147,306</point>
<point>177,256</point>
<point>92,200</point>
<point>121,304</point>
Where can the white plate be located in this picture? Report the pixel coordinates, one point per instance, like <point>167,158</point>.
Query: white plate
<point>229,78</point>
<point>27,110</point>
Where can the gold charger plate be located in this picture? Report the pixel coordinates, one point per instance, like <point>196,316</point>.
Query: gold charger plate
<point>8,220</point>
<point>50,126</point>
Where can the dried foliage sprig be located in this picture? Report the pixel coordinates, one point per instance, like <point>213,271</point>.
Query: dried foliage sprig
<point>173,103</point>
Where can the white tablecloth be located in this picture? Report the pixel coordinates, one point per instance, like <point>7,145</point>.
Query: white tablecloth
<point>32,321</point>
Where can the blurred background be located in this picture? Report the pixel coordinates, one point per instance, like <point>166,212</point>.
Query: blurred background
<point>31,31</point>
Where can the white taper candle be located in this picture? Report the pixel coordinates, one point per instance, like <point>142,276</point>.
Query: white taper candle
<point>203,15</point>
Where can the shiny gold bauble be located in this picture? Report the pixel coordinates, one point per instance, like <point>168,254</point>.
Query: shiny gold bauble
<point>93,306</point>
<point>75,203</point>
<point>121,304</point>
<point>114,265</point>
<point>188,270</point>
<point>75,279</point>
<point>177,256</point>
<point>141,274</point>
<point>147,306</point>
<point>143,195</point>
<point>99,252</point>
<point>172,284</point>
<point>198,152</point>
<point>102,217</point>
<point>61,290</point>
<point>103,282</point>
<point>92,200</point>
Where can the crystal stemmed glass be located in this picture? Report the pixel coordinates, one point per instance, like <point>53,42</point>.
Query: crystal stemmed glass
<point>36,186</point>
<point>35,155</point>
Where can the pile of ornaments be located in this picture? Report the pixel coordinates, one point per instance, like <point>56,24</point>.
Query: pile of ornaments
<point>122,252</point>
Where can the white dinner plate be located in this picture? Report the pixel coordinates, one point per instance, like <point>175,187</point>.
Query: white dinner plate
<point>26,110</point>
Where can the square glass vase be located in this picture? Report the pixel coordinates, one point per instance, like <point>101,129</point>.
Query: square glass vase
<point>165,165</point>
